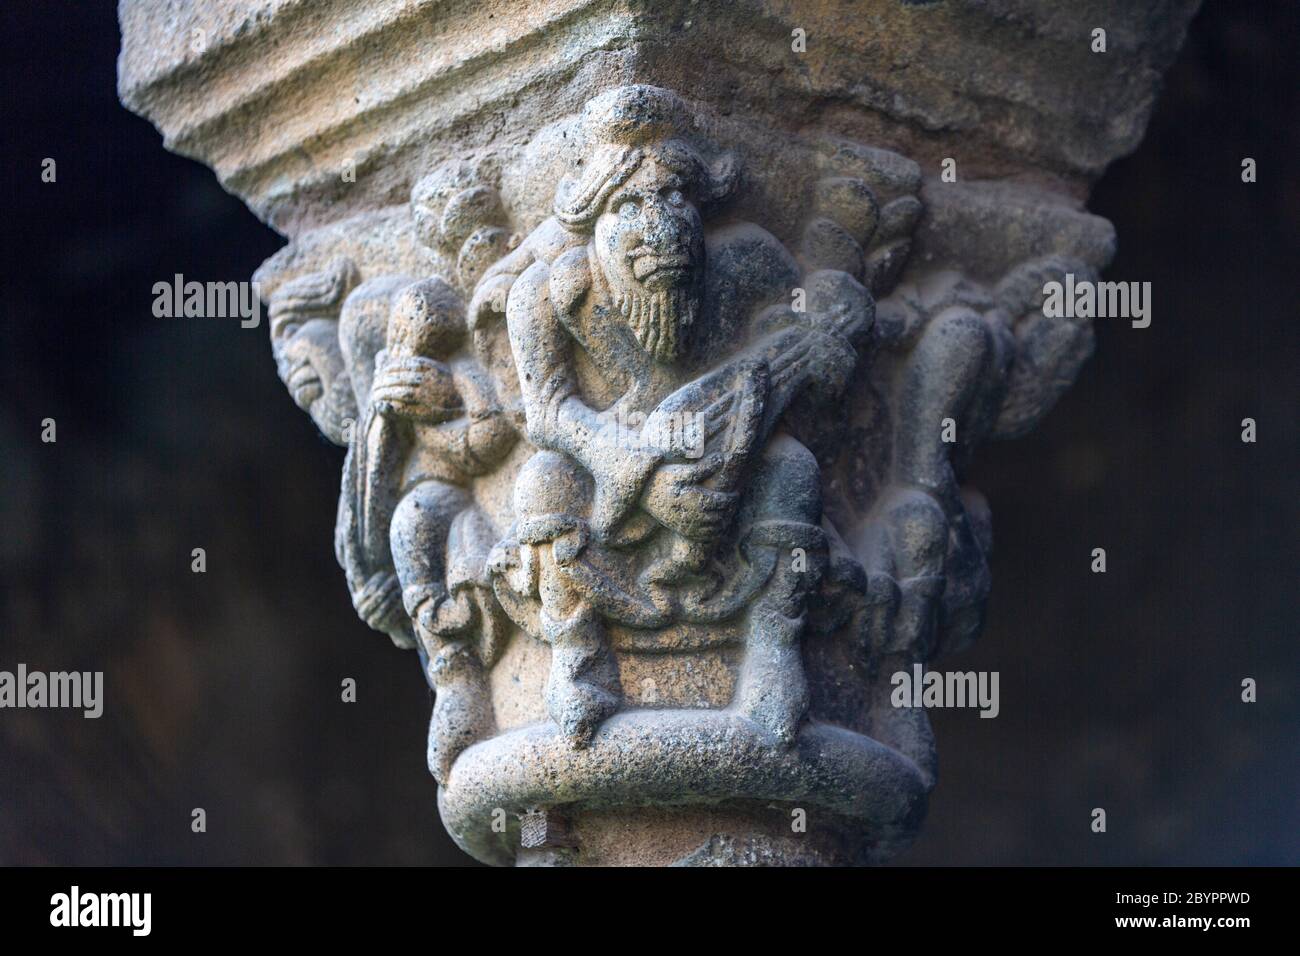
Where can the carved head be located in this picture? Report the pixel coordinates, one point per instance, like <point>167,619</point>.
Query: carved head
<point>639,198</point>
<point>304,339</point>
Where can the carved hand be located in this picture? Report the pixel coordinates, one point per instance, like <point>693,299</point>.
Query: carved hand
<point>675,496</point>
<point>415,388</point>
<point>379,601</point>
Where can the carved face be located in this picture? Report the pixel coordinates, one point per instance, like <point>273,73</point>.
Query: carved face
<point>649,242</point>
<point>310,363</point>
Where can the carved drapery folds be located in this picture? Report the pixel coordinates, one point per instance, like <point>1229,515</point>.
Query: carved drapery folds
<point>656,417</point>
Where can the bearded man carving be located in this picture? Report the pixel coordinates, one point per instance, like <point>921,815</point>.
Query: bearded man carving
<point>638,306</point>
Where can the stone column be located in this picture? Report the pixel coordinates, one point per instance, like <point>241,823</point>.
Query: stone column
<point>660,335</point>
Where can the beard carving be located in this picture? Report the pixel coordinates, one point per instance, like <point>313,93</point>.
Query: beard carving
<point>658,298</point>
<point>335,408</point>
<point>661,320</point>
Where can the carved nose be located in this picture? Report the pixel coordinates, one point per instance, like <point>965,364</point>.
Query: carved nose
<point>665,234</point>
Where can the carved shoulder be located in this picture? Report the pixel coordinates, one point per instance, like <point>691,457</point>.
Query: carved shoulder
<point>570,280</point>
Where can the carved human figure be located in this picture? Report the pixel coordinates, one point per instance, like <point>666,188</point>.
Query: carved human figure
<point>437,424</point>
<point>966,364</point>
<point>636,322</point>
<point>362,529</point>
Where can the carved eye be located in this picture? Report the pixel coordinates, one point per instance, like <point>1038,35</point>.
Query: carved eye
<point>288,328</point>
<point>628,209</point>
<point>675,197</point>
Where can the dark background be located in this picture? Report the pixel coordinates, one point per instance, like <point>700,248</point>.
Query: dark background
<point>1119,690</point>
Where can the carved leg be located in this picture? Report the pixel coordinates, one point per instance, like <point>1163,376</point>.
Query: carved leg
<point>773,691</point>
<point>583,687</point>
<point>552,501</point>
<point>785,514</point>
<point>946,369</point>
<point>918,533</point>
<point>418,539</point>
<point>462,709</point>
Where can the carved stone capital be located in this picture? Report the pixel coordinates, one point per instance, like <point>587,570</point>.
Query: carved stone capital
<point>660,337</point>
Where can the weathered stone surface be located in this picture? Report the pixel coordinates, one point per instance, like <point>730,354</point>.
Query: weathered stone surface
<point>644,331</point>
<point>278,95</point>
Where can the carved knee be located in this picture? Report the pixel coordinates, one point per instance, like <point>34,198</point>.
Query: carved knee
<point>551,490</point>
<point>918,531</point>
<point>786,485</point>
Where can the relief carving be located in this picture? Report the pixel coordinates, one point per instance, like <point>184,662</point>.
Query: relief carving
<point>660,494</point>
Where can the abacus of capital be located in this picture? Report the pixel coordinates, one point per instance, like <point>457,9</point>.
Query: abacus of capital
<point>659,336</point>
